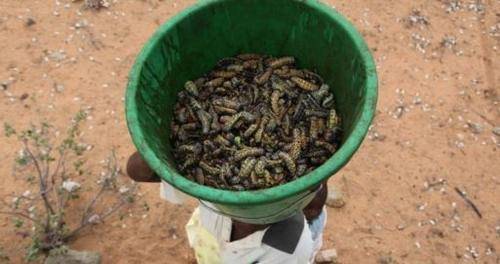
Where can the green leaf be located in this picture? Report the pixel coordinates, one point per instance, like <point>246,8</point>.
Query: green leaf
<point>8,130</point>
<point>130,198</point>
<point>30,178</point>
<point>18,223</point>
<point>33,250</point>
<point>3,256</point>
<point>80,116</point>
<point>22,161</point>
<point>17,202</point>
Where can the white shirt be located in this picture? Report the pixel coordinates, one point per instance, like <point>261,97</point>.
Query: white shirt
<point>249,249</point>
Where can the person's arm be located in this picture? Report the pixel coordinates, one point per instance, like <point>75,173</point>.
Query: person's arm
<point>139,171</point>
<point>315,207</point>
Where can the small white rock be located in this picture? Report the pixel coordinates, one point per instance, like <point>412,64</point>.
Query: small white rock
<point>81,23</point>
<point>124,189</point>
<point>327,256</point>
<point>57,55</point>
<point>59,88</point>
<point>496,131</point>
<point>475,128</point>
<point>417,100</point>
<point>335,198</point>
<point>70,186</point>
<point>94,219</point>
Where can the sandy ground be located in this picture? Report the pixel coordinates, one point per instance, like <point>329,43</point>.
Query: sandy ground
<point>439,93</point>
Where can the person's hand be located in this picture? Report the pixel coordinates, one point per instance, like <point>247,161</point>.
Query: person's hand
<point>139,171</point>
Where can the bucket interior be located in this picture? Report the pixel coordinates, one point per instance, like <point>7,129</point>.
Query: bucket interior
<point>189,45</point>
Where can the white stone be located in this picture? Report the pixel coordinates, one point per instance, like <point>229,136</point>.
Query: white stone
<point>335,198</point>
<point>70,186</point>
<point>327,256</point>
<point>496,131</point>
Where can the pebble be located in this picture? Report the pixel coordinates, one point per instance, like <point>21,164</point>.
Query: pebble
<point>398,112</point>
<point>327,256</point>
<point>417,100</point>
<point>94,219</point>
<point>57,55</point>
<point>30,22</point>
<point>386,259</point>
<point>375,136</point>
<point>426,107</point>
<point>417,244</point>
<point>81,23</point>
<point>335,198</point>
<point>476,128</point>
<point>124,189</point>
<point>472,251</point>
<point>24,96</point>
<point>496,131</point>
<point>27,194</point>
<point>70,186</point>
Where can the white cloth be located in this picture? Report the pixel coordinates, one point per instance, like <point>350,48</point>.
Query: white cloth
<point>317,226</point>
<point>251,249</point>
<point>171,194</point>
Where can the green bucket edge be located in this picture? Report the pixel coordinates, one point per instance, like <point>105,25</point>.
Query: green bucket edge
<point>325,171</point>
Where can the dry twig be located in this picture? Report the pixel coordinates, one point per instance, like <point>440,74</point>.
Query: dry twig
<point>468,201</point>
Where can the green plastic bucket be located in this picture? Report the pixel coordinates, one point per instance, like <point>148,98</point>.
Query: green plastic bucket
<point>190,44</point>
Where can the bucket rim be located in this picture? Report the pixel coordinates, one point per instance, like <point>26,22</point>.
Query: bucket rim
<point>308,181</point>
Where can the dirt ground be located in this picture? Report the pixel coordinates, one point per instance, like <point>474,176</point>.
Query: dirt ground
<point>433,132</point>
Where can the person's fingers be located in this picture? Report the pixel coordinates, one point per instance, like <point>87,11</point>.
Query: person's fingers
<point>139,170</point>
